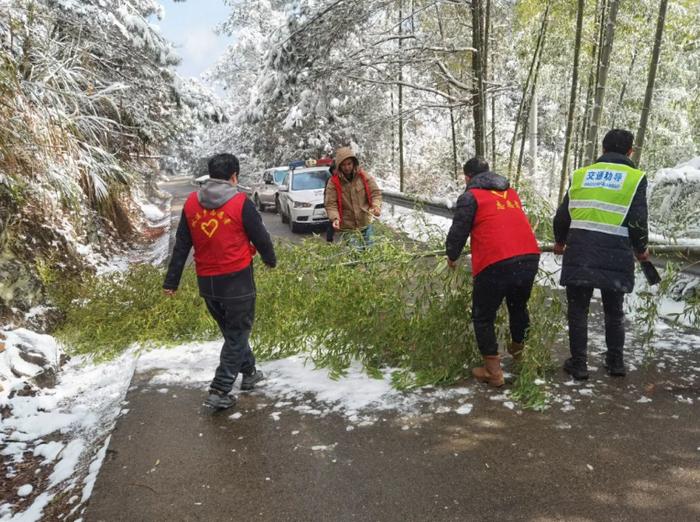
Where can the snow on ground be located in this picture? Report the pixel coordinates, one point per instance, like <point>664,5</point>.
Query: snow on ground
<point>293,380</point>
<point>67,427</point>
<point>16,361</point>
<point>154,252</point>
<point>419,226</point>
<point>152,212</point>
<point>64,427</point>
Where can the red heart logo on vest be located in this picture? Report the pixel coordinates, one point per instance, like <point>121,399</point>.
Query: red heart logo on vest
<point>210,227</point>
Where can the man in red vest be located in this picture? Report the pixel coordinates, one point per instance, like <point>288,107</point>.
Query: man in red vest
<point>352,196</point>
<point>221,223</point>
<point>505,257</point>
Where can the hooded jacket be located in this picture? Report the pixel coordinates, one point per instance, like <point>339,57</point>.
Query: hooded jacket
<point>599,260</point>
<point>213,195</point>
<point>354,198</point>
<point>500,232</point>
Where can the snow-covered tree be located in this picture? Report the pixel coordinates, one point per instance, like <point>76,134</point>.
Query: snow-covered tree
<point>87,93</point>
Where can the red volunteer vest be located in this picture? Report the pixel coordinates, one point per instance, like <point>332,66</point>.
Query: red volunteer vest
<point>335,179</point>
<point>221,245</point>
<point>501,229</point>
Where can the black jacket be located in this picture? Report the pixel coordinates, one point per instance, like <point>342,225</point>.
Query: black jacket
<point>465,211</point>
<point>237,285</point>
<point>599,260</point>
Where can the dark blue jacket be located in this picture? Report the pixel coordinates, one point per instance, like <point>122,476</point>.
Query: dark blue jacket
<point>599,260</point>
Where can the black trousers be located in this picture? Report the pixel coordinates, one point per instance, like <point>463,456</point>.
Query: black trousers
<point>235,319</point>
<point>511,279</point>
<point>330,232</point>
<point>579,299</point>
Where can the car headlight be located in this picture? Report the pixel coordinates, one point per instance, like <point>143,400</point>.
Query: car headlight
<point>302,204</point>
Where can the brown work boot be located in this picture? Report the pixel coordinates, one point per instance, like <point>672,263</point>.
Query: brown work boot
<point>516,351</point>
<point>491,372</point>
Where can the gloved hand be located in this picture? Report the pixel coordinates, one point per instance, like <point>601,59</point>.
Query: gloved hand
<point>559,249</point>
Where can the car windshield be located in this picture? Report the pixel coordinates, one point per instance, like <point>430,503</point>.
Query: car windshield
<point>310,180</point>
<point>279,176</point>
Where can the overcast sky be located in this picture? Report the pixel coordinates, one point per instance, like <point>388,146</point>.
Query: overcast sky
<point>190,26</point>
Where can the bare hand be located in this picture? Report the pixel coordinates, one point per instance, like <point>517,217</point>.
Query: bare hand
<point>644,256</point>
<point>559,249</point>
<point>376,211</point>
<point>336,224</point>
<point>451,264</point>
<point>169,292</point>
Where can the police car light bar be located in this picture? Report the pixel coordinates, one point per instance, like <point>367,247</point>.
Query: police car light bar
<point>323,162</point>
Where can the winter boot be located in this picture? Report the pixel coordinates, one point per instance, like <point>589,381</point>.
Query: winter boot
<point>219,400</point>
<point>516,351</point>
<point>491,372</point>
<point>615,364</point>
<point>251,379</point>
<point>576,368</point>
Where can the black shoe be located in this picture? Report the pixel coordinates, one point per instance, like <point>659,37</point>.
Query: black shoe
<point>219,400</point>
<point>577,370</point>
<point>615,366</point>
<point>249,380</point>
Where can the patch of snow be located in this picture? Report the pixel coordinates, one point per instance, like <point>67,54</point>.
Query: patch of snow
<point>49,451</point>
<point>13,368</point>
<point>464,409</point>
<point>25,490</point>
<point>152,212</point>
<point>69,460</point>
<point>417,225</point>
<point>93,470</point>
<point>323,447</point>
<point>81,407</point>
<point>34,511</point>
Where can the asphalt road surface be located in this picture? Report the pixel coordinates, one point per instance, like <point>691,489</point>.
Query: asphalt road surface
<point>616,457</point>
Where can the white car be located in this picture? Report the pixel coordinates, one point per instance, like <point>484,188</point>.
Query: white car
<point>264,193</point>
<point>300,197</point>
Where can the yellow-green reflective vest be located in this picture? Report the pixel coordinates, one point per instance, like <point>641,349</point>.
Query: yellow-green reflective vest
<point>600,196</point>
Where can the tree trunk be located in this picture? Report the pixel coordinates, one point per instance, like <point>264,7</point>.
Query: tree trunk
<point>400,101</point>
<point>533,133</point>
<point>529,104</point>
<point>603,67</point>
<point>592,79</point>
<point>478,81</point>
<point>393,130</point>
<point>639,141</point>
<point>526,89</point>
<point>486,33</point>
<point>572,100</point>
<point>621,99</point>
<point>455,164</point>
<point>490,76</point>
<point>493,133</point>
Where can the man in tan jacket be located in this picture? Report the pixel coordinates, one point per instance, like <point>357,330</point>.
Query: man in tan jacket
<point>353,196</point>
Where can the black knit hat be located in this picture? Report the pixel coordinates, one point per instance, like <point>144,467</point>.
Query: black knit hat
<point>475,165</point>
